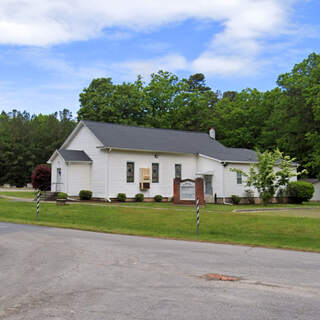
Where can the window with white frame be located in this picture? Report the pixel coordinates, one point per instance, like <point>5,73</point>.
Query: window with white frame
<point>130,171</point>
<point>239,178</point>
<point>155,172</point>
<point>177,170</point>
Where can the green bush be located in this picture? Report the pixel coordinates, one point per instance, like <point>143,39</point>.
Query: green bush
<point>300,191</point>
<point>85,195</point>
<point>235,199</point>
<point>158,198</point>
<point>281,193</point>
<point>266,196</point>
<point>121,197</point>
<point>62,196</point>
<point>249,195</point>
<point>139,197</point>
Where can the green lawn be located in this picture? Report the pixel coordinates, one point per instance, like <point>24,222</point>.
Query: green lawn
<point>19,194</point>
<point>282,229</point>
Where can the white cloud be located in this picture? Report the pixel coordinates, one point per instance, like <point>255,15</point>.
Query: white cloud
<point>41,23</point>
<point>57,65</point>
<point>173,62</point>
<point>246,25</point>
<point>223,66</point>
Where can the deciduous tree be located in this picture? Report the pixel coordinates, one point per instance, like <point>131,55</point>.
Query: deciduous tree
<point>272,171</point>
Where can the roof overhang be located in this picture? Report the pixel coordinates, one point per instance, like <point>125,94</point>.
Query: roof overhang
<point>293,164</point>
<point>241,162</point>
<point>110,148</point>
<point>74,133</point>
<point>225,161</point>
<point>207,157</point>
<point>78,162</point>
<point>56,153</point>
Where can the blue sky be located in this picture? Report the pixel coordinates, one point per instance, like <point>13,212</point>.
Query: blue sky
<point>51,50</point>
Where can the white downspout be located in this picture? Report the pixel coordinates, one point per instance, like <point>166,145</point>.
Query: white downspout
<point>223,189</point>
<point>66,177</point>
<point>224,202</point>
<point>108,176</point>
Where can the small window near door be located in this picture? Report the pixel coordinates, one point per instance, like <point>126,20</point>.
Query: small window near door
<point>130,171</point>
<point>177,170</point>
<point>155,172</point>
<point>239,178</point>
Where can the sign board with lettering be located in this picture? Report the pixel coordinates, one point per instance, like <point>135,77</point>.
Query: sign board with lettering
<point>187,190</point>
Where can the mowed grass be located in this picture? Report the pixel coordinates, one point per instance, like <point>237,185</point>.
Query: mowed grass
<point>19,194</point>
<point>279,229</point>
<point>210,207</point>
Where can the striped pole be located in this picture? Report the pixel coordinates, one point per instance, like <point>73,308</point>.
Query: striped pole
<point>38,203</point>
<point>198,215</point>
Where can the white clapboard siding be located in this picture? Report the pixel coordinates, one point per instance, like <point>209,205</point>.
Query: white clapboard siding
<point>78,178</point>
<point>58,162</point>
<point>118,171</point>
<point>86,141</point>
<point>230,180</point>
<point>209,165</point>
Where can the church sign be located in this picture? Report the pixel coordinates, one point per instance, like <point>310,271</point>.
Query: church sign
<point>187,190</point>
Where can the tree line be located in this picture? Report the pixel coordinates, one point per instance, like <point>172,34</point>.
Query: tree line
<point>286,117</point>
<point>28,140</point>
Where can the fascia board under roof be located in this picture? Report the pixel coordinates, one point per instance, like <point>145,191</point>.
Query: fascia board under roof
<point>244,162</point>
<point>142,150</point>
<point>79,161</point>
<point>294,164</point>
<point>72,134</point>
<point>75,131</point>
<point>54,155</point>
<point>171,152</point>
<point>225,161</point>
<point>208,157</point>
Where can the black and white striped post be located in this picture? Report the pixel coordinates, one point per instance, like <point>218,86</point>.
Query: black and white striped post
<point>38,203</point>
<point>198,215</point>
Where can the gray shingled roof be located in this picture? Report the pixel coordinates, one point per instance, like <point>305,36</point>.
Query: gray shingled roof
<point>74,155</point>
<point>166,140</point>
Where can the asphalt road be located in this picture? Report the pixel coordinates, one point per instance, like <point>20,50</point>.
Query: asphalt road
<point>48,273</point>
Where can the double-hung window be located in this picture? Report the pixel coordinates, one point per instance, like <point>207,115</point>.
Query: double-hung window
<point>239,178</point>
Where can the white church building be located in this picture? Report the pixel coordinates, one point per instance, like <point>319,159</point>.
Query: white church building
<point>108,159</point>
